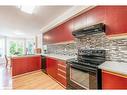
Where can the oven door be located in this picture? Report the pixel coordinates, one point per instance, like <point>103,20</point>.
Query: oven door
<point>82,77</point>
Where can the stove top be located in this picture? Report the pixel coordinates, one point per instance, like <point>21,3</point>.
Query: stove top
<point>92,58</point>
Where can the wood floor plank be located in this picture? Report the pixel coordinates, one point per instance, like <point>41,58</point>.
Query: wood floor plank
<point>35,80</point>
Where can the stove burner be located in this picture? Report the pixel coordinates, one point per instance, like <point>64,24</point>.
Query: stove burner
<point>90,57</point>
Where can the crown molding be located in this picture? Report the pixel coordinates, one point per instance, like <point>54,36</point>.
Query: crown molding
<point>74,11</point>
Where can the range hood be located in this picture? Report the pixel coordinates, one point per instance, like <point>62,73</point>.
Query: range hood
<point>94,29</point>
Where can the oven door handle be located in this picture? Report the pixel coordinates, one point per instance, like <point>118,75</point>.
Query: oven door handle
<point>83,68</point>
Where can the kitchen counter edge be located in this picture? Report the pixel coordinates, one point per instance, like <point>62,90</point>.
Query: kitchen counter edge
<point>114,66</point>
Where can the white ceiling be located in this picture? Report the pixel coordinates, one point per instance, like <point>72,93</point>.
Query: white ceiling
<point>12,19</point>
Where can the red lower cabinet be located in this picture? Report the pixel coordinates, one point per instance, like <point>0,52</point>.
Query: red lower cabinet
<point>113,81</point>
<point>18,66</point>
<point>22,65</point>
<point>57,70</point>
<point>34,63</point>
<point>61,73</point>
<point>51,67</point>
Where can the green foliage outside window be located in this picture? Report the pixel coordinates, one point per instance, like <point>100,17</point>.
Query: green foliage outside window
<point>12,49</point>
<point>16,48</point>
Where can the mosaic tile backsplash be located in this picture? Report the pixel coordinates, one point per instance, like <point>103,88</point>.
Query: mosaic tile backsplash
<point>116,49</point>
<point>62,49</point>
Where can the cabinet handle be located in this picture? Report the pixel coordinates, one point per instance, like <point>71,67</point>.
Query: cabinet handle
<point>61,71</point>
<point>61,65</point>
<point>62,76</point>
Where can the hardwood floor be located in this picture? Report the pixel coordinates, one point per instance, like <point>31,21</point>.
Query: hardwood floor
<point>35,80</point>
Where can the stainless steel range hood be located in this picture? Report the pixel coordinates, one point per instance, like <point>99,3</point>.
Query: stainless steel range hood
<point>97,28</point>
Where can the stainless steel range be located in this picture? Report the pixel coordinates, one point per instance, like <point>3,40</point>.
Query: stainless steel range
<point>83,72</point>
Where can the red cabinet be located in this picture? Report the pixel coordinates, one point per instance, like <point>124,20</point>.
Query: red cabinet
<point>57,69</point>
<point>18,66</point>
<point>113,81</point>
<point>116,19</point>
<point>22,65</point>
<point>62,33</point>
<point>78,22</point>
<point>51,67</point>
<point>33,63</point>
<point>61,72</point>
<point>96,15</point>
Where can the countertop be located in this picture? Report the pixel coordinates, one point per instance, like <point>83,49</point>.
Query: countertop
<point>57,56</point>
<point>113,66</point>
<point>25,56</point>
<point>61,57</point>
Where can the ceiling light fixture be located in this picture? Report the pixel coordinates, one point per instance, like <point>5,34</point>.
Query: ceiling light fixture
<point>27,9</point>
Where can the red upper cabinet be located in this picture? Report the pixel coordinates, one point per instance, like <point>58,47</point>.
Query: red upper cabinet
<point>78,22</point>
<point>67,31</point>
<point>95,15</point>
<point>84,20</point>
<point>61,33</point>
<point>116,19</point>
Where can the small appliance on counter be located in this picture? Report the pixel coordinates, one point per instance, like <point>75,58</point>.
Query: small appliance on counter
<point>38,50</point>
<point>83,72</point>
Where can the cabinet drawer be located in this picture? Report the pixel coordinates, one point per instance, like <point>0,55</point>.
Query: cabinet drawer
<point>62,63</point>
<point>62,80</point>
<point>62,67</point>
<point>61,72</point>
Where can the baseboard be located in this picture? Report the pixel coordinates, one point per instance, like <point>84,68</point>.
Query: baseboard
<point>25,73</point>
<point>57,81</point>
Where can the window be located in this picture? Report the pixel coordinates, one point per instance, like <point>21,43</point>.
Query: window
<point>15,47</point>
<point>30,46</point>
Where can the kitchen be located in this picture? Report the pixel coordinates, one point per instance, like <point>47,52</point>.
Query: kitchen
<point>84,50</point>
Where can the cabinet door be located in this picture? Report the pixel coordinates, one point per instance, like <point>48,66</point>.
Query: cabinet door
<point>36,62</point>
<point>56,35</point>
<point>19,66</point>
<point>116,20</point>
<point>113,81</point>
<point>30,64</point>
<point>78,22</point>
<point>96,15</point>
<point>51,67</point>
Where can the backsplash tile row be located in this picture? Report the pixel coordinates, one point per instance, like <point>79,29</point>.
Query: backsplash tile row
<point>62,49</point>
<point>116,49</point>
